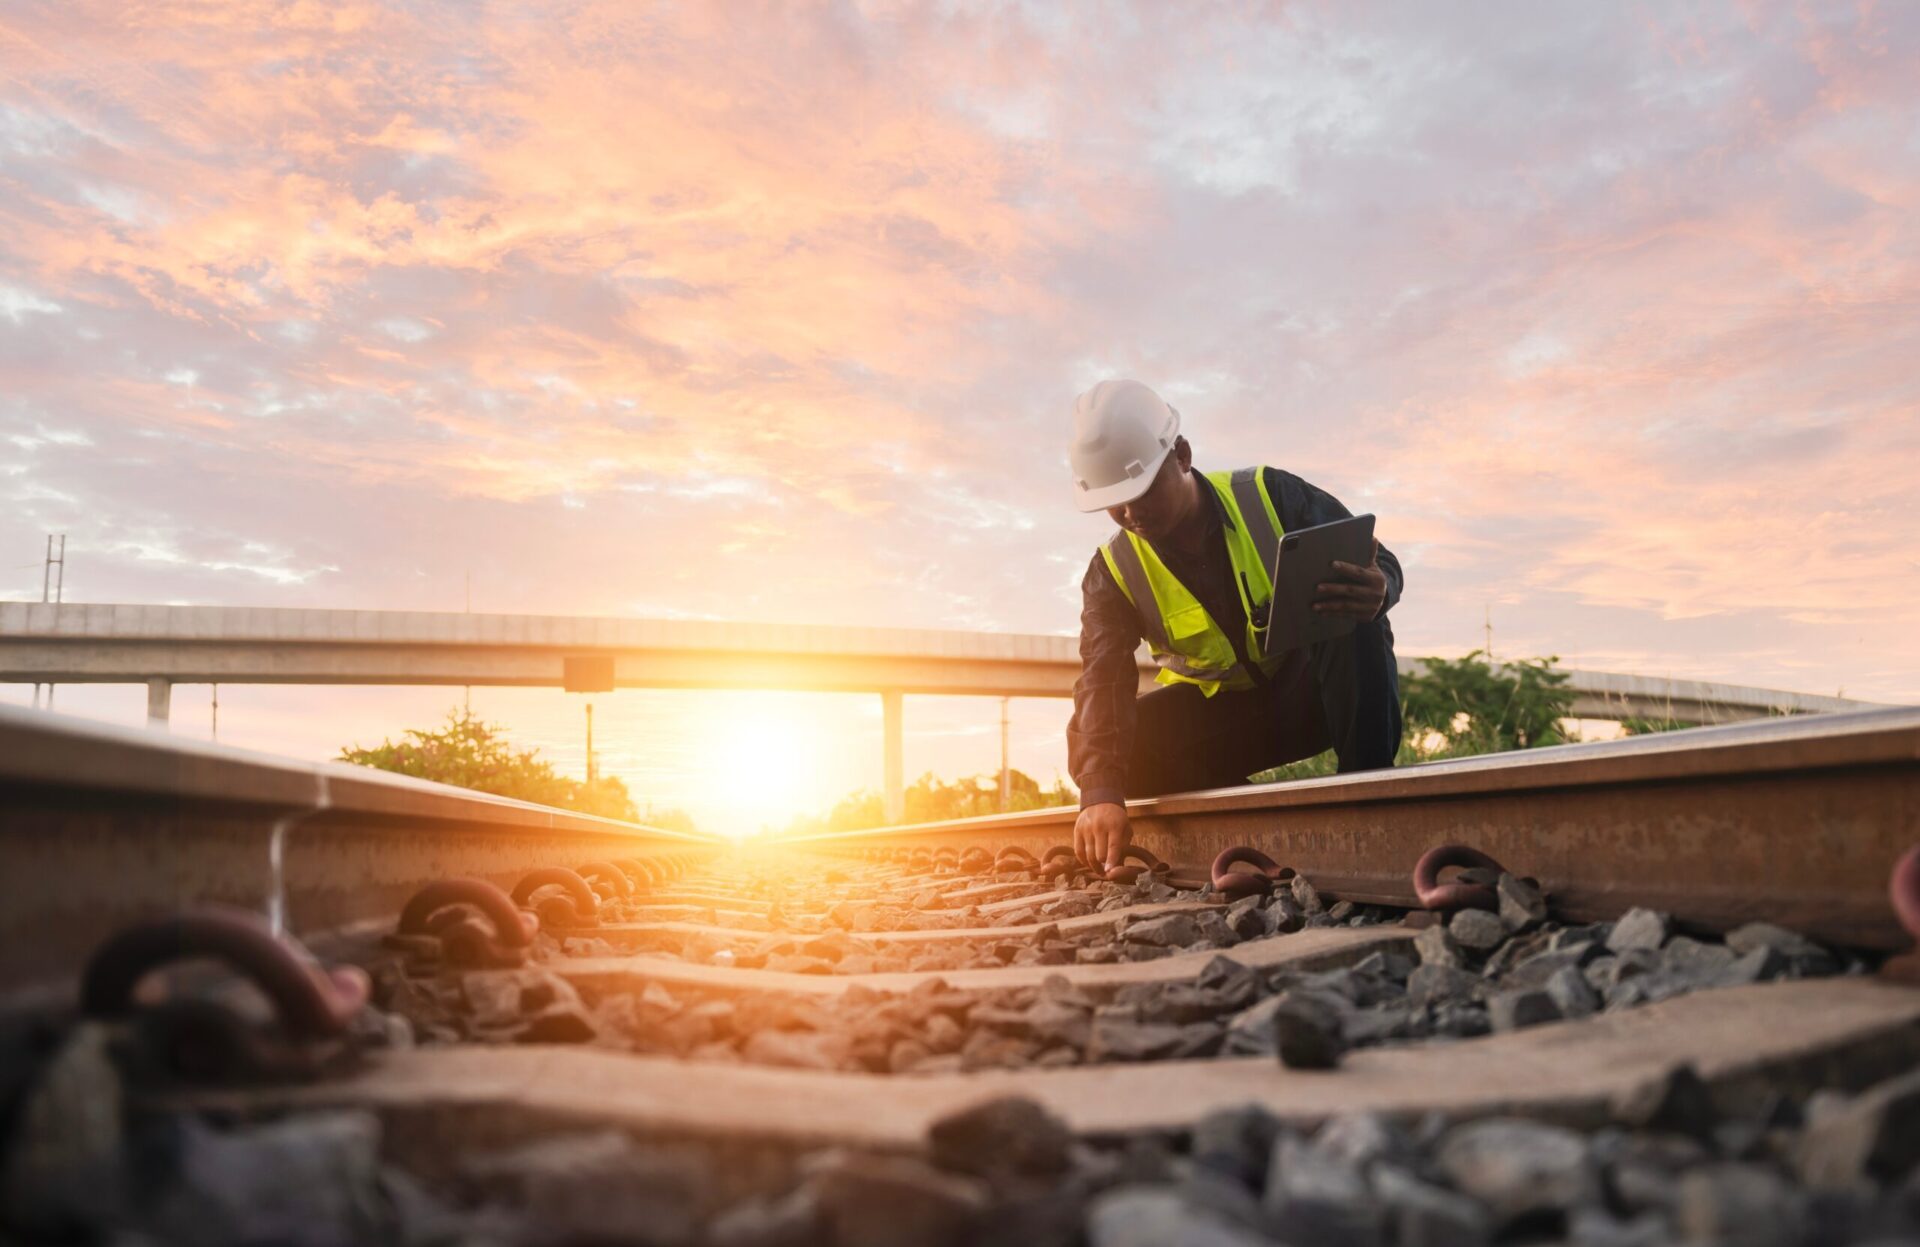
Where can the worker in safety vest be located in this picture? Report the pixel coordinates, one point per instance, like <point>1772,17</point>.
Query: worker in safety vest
<point>1185,574</point>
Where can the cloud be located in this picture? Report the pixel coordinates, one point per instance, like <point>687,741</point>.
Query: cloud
<point>1607,314</point>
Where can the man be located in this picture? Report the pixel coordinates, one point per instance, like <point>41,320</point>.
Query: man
<point>1184,573</point>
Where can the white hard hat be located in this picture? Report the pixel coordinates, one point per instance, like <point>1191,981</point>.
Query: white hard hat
<point>1122,433</point>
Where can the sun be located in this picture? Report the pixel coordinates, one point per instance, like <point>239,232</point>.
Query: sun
<point>758,761</point>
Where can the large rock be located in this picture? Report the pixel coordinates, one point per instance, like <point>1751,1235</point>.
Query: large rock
<point>1518,1167</point>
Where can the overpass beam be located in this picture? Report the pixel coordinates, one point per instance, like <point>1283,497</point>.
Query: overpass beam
<point>893,731</point>
<point>159,703</point>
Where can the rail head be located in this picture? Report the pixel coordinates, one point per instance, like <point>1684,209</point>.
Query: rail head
<point>1867,738</point>
<point>78,759</point>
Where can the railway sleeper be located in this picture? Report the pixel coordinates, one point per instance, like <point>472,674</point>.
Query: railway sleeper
<point>1781,1113</point>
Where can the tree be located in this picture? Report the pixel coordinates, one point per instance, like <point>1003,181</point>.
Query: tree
<point>469,753</point>
<point>1472,706</point>
<point>1479,708</point>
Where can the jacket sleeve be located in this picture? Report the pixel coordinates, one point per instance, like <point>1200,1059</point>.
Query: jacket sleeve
<point>1303,505</point>
<point>1100,733</point>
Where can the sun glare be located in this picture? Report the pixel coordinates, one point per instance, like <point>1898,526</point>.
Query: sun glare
<point>760,762</point>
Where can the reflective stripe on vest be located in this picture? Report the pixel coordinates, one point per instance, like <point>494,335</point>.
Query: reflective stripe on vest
<point>1187,643</point>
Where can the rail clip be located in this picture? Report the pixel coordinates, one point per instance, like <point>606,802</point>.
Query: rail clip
<point>203,1040</point>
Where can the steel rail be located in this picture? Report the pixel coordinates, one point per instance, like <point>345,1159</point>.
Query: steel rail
<point>101,826</point>
<point>1795,821</point>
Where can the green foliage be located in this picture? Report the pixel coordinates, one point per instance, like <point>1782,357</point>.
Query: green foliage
<point>1646,727</point>
<point>1479,708</point>
<point>469,753</point>
<point>1462,707</point>
<point>930,799</point>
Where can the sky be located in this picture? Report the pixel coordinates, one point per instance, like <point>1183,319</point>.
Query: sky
<point>772,312</point>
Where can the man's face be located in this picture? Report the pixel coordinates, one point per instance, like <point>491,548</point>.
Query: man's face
<point>1156,513</point>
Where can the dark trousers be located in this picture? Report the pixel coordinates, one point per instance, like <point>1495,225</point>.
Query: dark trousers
<point>1345,695</point>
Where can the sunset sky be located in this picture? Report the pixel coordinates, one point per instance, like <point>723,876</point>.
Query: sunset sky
<point>1610,312</point>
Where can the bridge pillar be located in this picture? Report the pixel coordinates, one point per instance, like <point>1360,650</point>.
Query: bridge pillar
<point>894,732</point>
<point>159,703</point>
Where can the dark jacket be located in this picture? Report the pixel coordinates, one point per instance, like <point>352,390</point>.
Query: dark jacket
<point>1100,734</point>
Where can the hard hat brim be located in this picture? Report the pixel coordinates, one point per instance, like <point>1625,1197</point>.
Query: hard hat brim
<point>1120,492</point>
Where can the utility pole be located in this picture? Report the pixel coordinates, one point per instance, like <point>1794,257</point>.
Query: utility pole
<point>1489,609</point>
<point>590,768</point>
<point>52,589</point>
<point>216,712</point>
<point>1006,776</point>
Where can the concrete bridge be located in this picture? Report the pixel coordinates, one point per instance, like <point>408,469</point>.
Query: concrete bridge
<point>160,646</point>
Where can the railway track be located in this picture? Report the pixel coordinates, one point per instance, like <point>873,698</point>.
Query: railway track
<point>1644,992</point>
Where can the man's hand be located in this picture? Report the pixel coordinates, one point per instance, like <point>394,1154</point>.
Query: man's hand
<point>1358,593</point>
<point>1101,835</point>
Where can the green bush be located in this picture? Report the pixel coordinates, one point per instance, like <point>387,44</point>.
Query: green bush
<point>469,753</point>
<point>1457,708</point>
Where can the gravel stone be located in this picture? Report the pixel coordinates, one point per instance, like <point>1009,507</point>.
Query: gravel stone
<point>1571,993</point>
<point>1251,1031</point>
<point>593,1187</point>
<point>1314,1196</point>
<point>1639,928</point>
<point>1009,1136</point>
<point>1421,1214</point>
<point>1305,895</point>
<point>1165,931</point>
<point>1876,1134</point>
<point>1236,1142</point>
<point>1800,953</point>
<point>1116,1039</point>
<point>882,1201</point>
<point>1522,906</point>
<point>793,1221</point>
<point>1511,1011</point>
<point>1518,1167</point>
<point>1738,1203</point>
<point>1307,1032</point>
<point>1437,984</point>
<point>1437,948</point>
<point>63,1168</point>
<point>1156,1216</point>
<point>1477,931</point>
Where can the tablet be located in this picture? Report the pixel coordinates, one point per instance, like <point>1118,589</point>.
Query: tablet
<point>1304,560</point>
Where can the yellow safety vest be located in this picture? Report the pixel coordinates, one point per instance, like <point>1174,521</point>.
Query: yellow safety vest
<point>1187,643</point>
